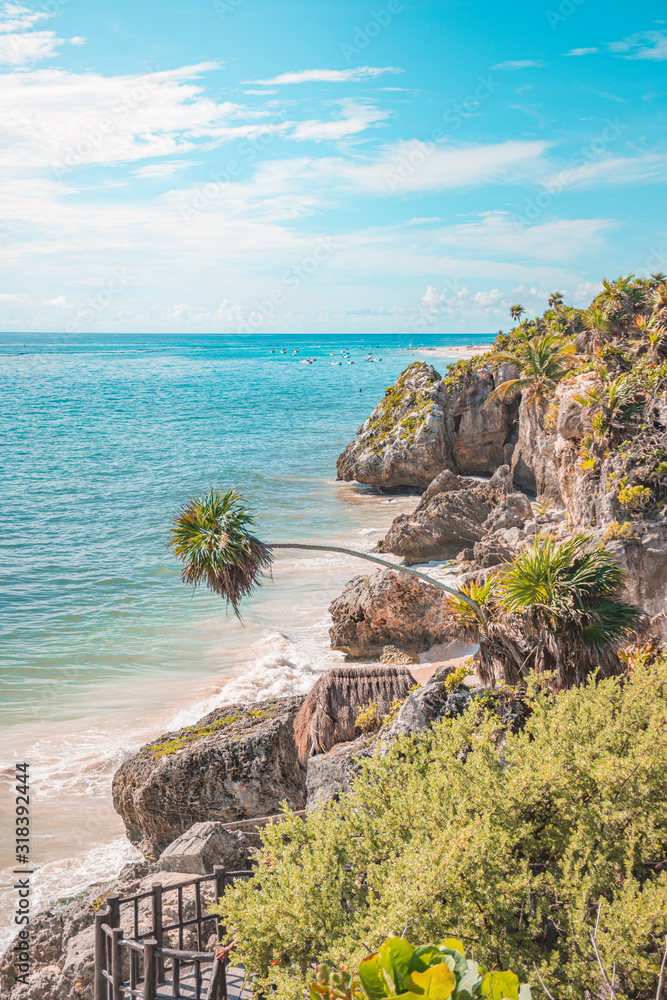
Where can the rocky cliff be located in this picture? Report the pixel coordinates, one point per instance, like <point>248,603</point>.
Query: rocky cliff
<point>425,424</point>
<point>236,763</point>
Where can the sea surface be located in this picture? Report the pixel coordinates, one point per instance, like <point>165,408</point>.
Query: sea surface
<point>102,646</point>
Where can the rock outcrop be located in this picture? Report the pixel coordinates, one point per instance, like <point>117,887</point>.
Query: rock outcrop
<point>457,514</point>
<point>204,846</point>
<point>332,773</point>
<point>423,425</point>
<point>388,608</point>
<point>62,943</point>
<point>236,763</point>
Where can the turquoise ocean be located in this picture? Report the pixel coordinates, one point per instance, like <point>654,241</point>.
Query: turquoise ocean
<point>102,646</point>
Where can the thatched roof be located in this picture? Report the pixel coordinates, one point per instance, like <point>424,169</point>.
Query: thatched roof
<point>328,713</point>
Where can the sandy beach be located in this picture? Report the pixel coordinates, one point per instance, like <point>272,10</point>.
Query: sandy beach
<point>460,352</point>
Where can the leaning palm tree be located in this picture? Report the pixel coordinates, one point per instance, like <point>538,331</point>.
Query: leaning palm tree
<point>516,312</point>
<point>212,537</point>
<point>554,609</point>
<point>542,362</point>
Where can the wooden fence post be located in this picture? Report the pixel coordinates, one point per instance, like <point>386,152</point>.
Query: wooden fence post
<point>157,927</point>
<point>113,902</point>
<point>116,964</point>
<point>150,978</point>
<point>219,873</point>
<point>101,918</point>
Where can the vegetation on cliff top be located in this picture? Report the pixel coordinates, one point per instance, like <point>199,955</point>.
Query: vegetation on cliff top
<point>508,842</point>
<point>620,341</point>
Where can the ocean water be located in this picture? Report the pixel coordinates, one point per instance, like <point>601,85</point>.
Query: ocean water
<point>103,437</point>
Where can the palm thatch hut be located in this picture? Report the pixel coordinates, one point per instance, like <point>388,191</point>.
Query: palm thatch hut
<point>328,714</point>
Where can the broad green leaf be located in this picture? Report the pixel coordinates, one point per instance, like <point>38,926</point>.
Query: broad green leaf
<point>454,944</point>
<point>395,954</point>
<point>370,973</point>
<point>467,985</point>
<point>423,956</point>
<point>437,983</point>
<point>455,960</point>
<point>500,986</point>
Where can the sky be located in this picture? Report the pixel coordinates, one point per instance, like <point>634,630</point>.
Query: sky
<point>240,166</point>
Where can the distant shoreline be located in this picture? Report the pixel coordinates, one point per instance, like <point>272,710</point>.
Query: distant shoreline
<point>466,352</point>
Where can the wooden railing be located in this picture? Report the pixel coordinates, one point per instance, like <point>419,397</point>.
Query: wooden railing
<point>135,962</point>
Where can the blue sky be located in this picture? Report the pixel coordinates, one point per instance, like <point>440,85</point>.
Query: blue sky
<point>248,165</point>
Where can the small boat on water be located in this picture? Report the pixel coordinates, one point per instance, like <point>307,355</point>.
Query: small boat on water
<point>283,350</point>
<point>335,362</point>
<point>350,362</point>
<point>295,352</point>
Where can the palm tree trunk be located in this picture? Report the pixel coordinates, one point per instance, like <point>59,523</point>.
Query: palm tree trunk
<point>381,562</point>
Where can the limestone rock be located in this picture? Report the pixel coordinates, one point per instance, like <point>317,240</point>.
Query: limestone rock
<point>403,442</point>
<point>388,608</point>
<point>329,774</point>
<point>236,763</point>
<point>424,425</point>
<point>456,514</point>
<point>202,847</point>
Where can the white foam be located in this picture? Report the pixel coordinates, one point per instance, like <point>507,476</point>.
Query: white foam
<point>64,878</point>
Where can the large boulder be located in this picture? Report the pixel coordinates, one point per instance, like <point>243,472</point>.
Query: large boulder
<point>457,514</point>
<point>426,424</point>
<point>204,846</point>
<point>329,774</point>
<point>388,608</point>
<point>236,763</point>
<point>403,442</point>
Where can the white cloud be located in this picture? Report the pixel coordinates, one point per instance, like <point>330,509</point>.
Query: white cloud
<point>582,52</point>
<point>514,64</point>
<point>19,44</point>
<point>328,75</point>
<point>643,45</point>
<point>416,166</point>
<point>488,300</point>
<point>499,232</point>
<point>612,170</point>
<point>168,168</point>
<point>60,301</point>
<point>60,119</point>
<point>356,118</point>
<point>11,296</point>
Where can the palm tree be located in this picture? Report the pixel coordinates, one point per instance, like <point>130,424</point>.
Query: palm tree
<point>598,326</point>
<point>542,362</point>
<point>211,536</point>
<point>516,312</point>
<point>555,300</point>
<point>554,608</point>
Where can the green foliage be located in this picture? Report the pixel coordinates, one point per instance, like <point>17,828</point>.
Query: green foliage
<point>615,531</point>
<point>542,362</point>
<point>634,497</point>
<point>464,372</point>
<point>398,969</point>
<point>367,718</point>
<point>553,608</point>
<point>510,853</point>
<point>211,537</point>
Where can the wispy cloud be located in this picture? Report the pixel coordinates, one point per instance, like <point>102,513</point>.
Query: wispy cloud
<point>19,44</point>
<point>583,52</point>
<point>643,45</point>
<point>156,171</point>
<point>328,75</point>
<point>614,170</point>
<point>356,118</point>
<point>513,64</point>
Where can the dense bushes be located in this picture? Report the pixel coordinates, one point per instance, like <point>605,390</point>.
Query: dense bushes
<point>507,842</point>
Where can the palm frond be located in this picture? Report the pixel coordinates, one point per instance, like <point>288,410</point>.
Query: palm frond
<point>211,537</point>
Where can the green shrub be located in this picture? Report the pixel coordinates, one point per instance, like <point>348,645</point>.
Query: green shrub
<point>634,497</point>
<point>510,851</point>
